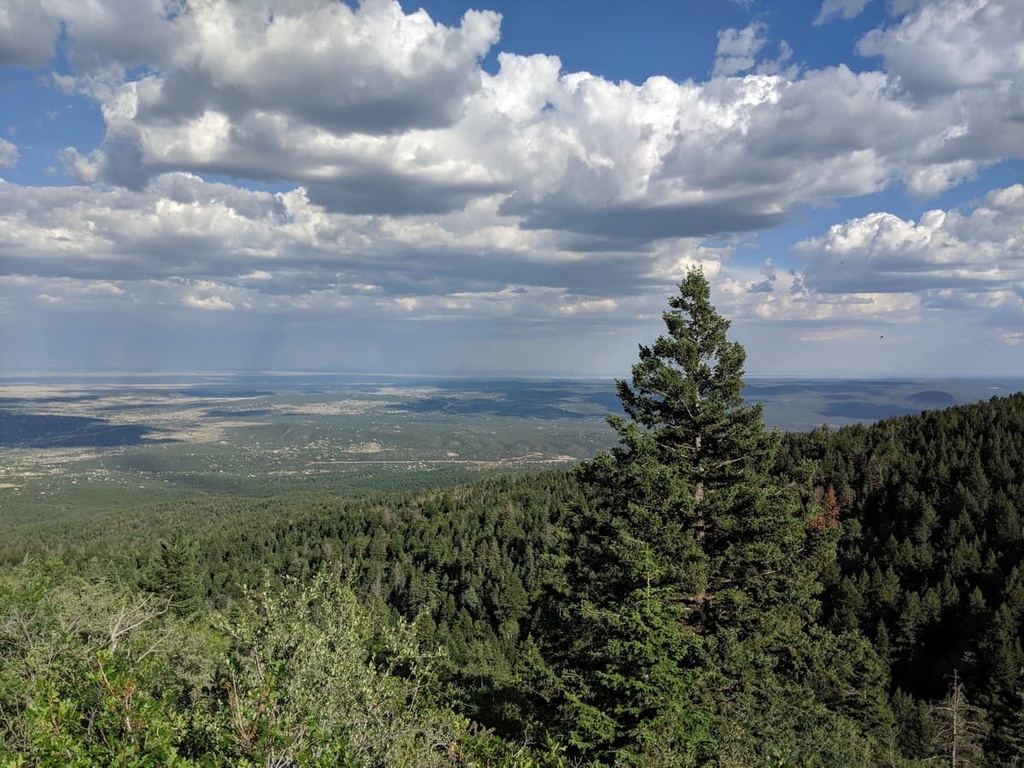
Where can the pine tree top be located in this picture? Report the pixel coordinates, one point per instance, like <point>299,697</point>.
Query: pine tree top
<point>687,386</point>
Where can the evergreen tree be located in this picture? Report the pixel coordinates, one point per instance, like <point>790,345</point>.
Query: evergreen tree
<point>694,592</point>
<point>173,572</point>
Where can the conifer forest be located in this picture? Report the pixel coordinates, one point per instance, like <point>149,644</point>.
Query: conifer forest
<point>707,592</point>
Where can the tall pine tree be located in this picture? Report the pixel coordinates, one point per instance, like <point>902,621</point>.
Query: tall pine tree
<point>689,631</point>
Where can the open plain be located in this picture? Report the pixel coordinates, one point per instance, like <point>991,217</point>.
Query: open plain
<point>105,441</point>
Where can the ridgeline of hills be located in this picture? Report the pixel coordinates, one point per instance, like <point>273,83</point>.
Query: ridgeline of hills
<point>707,593</point>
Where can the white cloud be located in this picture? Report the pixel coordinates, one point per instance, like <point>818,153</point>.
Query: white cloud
<point>186,242</point>
<point>421,185</point>
<point>843,9</point>
<point>786,300</point>
<point>593,306</point>
<point>27,32</point>
<point>891,294</point>
<point>105,37</point>
<point>980,250</point>
<point>21,290</point>
<point>8,154</point>
<point>232,83</point>
<point>81,169</point>
<point>943,46</point>
<point>215,303</point>
<point>374,69</point>
<point>738,49</point>
<point>416,127</point>
<point>1013,338</point>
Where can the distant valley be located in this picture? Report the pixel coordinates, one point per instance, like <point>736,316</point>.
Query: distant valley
<point>116,440</point>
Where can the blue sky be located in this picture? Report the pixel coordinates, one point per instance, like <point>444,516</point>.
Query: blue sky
<point>303,184</point>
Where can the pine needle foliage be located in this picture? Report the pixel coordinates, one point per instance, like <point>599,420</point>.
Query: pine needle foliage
<point>690,635</point>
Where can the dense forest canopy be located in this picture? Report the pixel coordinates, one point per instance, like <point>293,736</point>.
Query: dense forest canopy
<point>706,593</point>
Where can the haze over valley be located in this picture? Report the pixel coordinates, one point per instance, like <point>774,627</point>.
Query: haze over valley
<point>121,439</point>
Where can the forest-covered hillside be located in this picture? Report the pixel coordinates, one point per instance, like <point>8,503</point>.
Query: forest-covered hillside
<point>930,562</point>
<point>707,593</point>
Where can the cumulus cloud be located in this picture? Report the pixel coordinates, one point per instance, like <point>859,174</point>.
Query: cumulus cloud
<point>786,300</point>
<point>415,126</point>
<point>738,49</point>
<point>8,154</point>
<point>215,303</point>
<point>340,99</point>
<point>896,292</point>
<point>372,69</point>
<point>941,46</point>
<point>185,242</point>
<point>952,277</point>
<point>78,167</point>
<point>981,250</point>
<point>420,183</point>
<point>962,62</point>
<point>27,33</point>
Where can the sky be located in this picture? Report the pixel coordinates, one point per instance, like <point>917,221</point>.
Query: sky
<point>510,187</point>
